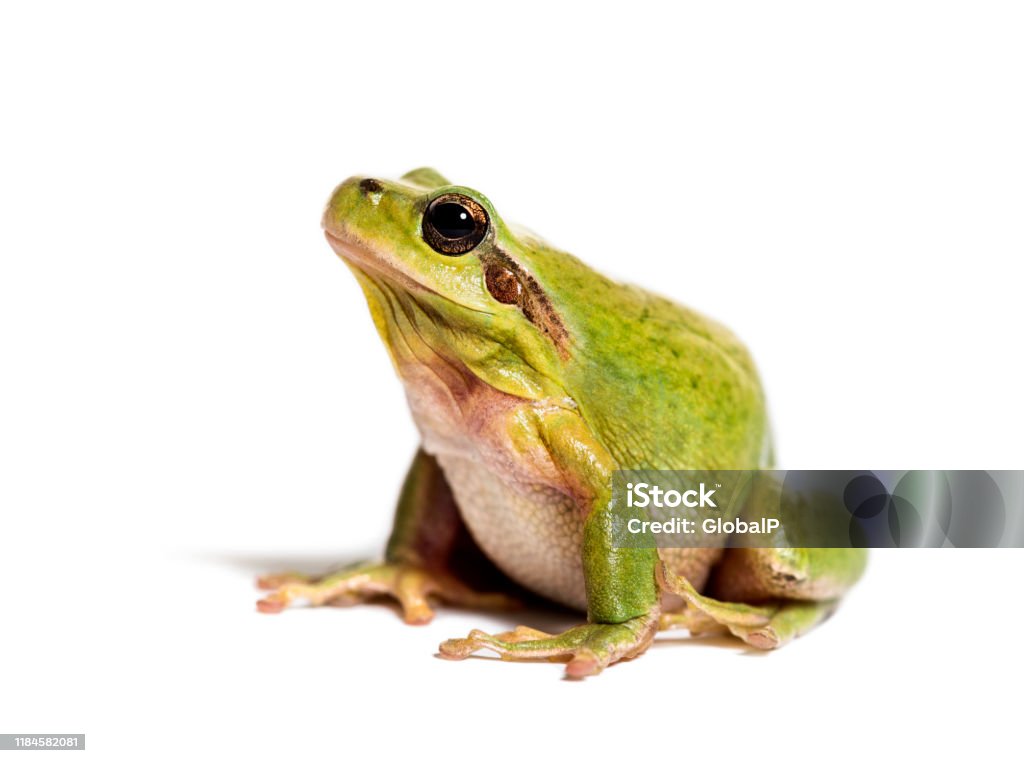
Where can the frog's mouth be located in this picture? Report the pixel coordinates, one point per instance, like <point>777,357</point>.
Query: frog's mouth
<point>376,265</point>
<point>371,263</point>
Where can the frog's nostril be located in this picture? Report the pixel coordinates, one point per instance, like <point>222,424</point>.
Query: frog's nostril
<point>369,185</point>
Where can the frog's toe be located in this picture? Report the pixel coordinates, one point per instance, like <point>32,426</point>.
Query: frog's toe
<point>586,662</point>
<point>791,620</point>
<point>522,633</point>
<point>275,580</point>
<point>412,587</point>
<point>587,649</point>
<point>350,584</point>
<point>693,620</point>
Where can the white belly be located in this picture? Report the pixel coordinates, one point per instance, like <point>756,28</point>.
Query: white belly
<point>532,533</point>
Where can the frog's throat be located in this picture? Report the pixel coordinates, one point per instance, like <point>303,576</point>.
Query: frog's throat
<point>418,343</point>
<point>533,303</point>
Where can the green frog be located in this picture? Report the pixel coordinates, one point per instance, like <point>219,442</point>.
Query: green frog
<point>532,379</point>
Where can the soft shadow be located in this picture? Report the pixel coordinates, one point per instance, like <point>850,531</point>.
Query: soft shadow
<point>264,563</point>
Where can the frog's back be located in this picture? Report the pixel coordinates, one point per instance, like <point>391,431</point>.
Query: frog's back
<point>661,385</point>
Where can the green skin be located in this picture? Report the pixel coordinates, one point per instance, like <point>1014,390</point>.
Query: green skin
<point>578,377</point>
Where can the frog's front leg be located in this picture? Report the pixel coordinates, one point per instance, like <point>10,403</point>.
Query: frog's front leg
<point>588,649</point>
<point>622,594</point>
<point>428,539</point>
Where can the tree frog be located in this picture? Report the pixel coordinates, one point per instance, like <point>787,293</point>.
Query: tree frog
<point>531,379</point>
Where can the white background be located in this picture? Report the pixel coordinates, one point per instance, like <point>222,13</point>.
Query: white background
<point>192,391</point>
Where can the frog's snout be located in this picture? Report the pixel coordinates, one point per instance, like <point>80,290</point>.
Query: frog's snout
<point>347,199</point>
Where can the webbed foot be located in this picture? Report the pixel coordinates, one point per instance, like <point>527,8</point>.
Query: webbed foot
<point>587,649</point>
<point>413,587</point>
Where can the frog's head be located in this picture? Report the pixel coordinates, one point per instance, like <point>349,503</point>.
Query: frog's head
<point>450,286</point>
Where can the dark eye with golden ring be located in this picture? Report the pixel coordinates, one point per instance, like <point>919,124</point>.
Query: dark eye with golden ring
<point>454,224</point>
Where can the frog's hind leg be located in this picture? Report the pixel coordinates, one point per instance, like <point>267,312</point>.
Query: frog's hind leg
<point>755,575</point>
<point>764,626</point>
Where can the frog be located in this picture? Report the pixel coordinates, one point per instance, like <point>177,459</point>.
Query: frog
<point>532,379</point>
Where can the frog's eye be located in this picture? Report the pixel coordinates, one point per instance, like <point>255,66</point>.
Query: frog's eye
<point>454,224</point>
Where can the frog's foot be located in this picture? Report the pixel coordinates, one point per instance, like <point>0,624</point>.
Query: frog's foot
<point>411,586</point>
<point>765,627</point>
<point>588,649</point>
<point>693,620</point>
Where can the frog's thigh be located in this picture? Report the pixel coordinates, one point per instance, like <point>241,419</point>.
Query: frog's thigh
<point>805,574</point>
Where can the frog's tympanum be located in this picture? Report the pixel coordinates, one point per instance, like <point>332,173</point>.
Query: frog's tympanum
<point>531,378</point>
